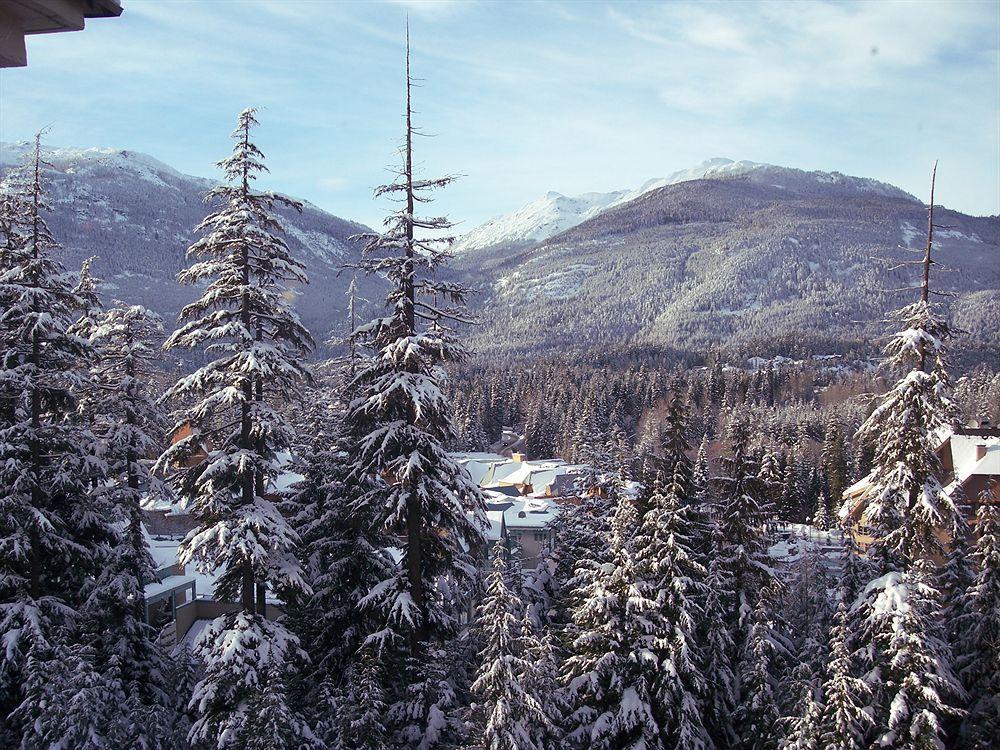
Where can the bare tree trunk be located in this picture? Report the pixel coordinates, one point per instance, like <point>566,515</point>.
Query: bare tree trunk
<point>36,393</point>
<point>414,519</point>
<point>925,282</point>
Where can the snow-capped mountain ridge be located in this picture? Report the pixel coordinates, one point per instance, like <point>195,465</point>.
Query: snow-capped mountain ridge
<point>542,218</point>
<point>94,159</point>
<point>554,213</point>
<point>138,215</point>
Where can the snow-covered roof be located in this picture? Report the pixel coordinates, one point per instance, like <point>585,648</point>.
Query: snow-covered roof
<point>988,465</point>
<point>196,629</point>
<point>495,530</point>
<point>501,493</point>
<point>530,513</point>
<point>465,457</point>
<point>480,471</point>
<point>168,584</point>
<point>163,551</point>
<point>966,454</point>
<point>502,471</point>
<point>520,475</point>
<point>854,495</point>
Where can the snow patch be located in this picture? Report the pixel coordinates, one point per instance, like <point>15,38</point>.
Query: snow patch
<point>322,246</point>
<point>561,284</point>
<point>542,218</point>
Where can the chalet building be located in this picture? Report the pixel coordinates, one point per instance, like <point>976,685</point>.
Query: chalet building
<point>180,602</point>
<point>524,523</point>
<point>21,18</point>
<point>969,458</point>
<point>552,478</point>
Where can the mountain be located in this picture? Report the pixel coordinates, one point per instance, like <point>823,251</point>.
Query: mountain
<point>756,258</point>
<point>549,215</point>
<point>137,215</point>
<point>753,257</point>
<point>554,213</point>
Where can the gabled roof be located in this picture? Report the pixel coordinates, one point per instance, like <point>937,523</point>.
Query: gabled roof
<point>988,465</point>
<point>965,444</point>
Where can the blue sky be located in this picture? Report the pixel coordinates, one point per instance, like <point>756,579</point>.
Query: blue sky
<point>523,98</point>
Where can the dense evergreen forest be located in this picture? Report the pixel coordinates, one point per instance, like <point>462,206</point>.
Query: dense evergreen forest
<point>659,617</point>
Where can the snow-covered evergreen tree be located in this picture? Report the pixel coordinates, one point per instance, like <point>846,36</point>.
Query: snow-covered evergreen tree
<point>129,425</point>
<point>719,648</point>
<point>70,703</point>
<point>51,527</point>
<point>399,422</point>
<point>243,319</point>
<point>821,518</point>
<point>344,555</point>
<point>906,502</point>
<point>581,546</point>
<point>846,719</point>
<point>757,713</point>
<point>183,678</point>
<point>771,476</point>
<point>907,661</point>
<point>360,722</point>
<point>512,717</point>
<point>856,569</point>
<point>791,499</point>
<point>742,518</point>
<point>616,665</point>
<point>542,681</point>
<point>806,614</point>
<point>804,730</point>
<point>835,459</point>
<point>669,575</point>
<point>977,640</point>
<point>425,711</point>
<point>918,678</point>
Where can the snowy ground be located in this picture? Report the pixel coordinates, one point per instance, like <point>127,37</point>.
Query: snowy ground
<point>796,540</point>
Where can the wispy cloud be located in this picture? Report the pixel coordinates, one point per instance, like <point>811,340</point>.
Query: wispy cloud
<point>531,96</point>
<point>724,57</point>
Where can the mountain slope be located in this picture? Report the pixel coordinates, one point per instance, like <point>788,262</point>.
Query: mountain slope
<point>766,259</point>
<point>555,213</point>
<point>137,215</point>
<point>743,261</point>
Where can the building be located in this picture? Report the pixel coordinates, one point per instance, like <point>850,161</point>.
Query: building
<point>969,459</point>
<point>181,603</point>
<point>172,588</point>
<point>526,524</point>
<point>21,18</point>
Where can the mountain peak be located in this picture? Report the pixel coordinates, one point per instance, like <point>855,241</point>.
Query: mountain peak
<point>95,160</point>
<point>554,212</point>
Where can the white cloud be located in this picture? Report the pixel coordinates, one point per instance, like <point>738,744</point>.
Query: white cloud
<point>333,183</point>
<point>430,7</point>
<point>778,51</point>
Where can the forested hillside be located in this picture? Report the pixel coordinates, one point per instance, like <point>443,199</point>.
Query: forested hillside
<point>797,267</point>
<point>138,216</point>
<point>755,261</point>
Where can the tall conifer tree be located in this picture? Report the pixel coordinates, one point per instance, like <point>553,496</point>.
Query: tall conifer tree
<point>52,528</point>
<point>400,424</point>
<point>235,433</point>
